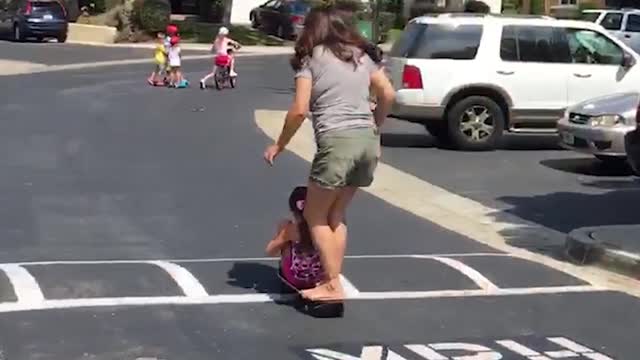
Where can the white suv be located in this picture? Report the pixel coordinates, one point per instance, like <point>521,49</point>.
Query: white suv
<point>470,77</point>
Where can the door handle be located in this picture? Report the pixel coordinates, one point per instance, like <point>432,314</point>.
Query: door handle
<point>502,72</point>
<point>627,36</point>
<point>582,75</point>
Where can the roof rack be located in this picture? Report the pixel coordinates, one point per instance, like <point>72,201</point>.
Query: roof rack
<point>494,15</point>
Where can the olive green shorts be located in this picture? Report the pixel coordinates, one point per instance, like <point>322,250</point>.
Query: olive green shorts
<point>346,158</point>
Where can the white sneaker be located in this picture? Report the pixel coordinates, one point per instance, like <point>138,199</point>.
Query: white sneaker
<point>202,85</point>
<point>233,73</point>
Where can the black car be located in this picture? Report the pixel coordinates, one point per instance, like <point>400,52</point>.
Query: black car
<point>283,18</point>
<point>39,19</point>
<point>632,145</point>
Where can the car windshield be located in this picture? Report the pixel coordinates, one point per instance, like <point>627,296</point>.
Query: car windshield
<point>590,16</point>
<point>50,7</point>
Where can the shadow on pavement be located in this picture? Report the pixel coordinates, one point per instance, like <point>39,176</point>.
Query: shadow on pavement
<point>395,140</point>
<point>260,277</point>
<point>530,142</point>
<point>588,166</point>
<point>571,210</point>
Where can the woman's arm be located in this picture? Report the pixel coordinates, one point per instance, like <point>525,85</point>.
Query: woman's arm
<point>385,95</point>
<point>297,112</point>
<point>274,247</point>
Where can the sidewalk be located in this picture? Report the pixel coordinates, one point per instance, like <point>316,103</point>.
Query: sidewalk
<point>616,247</point>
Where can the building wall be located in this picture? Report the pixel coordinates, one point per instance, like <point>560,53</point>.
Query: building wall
<point>240,10</point>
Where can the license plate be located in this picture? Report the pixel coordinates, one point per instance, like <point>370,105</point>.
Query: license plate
<point>47,17</point>
<point>567,138</point>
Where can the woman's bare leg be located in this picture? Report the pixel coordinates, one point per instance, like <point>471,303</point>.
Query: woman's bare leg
<point>337,215</point>
<point>316,212</point>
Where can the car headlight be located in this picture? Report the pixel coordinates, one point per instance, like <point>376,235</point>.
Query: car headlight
<point>606,120</point>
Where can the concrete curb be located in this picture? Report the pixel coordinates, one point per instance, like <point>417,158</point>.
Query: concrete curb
<point>91,33</point>
<point>581,247</point>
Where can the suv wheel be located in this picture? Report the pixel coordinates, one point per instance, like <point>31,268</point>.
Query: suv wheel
<point>62,38</point>
<point>475,123</point>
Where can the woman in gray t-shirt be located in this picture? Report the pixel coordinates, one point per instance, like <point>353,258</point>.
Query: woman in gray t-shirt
<point>333,78</point>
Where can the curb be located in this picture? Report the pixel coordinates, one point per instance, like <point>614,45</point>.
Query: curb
<point>582,248</point>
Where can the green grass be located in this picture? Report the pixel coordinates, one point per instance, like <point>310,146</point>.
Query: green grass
<point>197,32</point>
<point>393,35</point>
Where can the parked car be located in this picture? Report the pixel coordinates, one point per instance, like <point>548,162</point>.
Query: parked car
<point>599,126</point>
<point>283,18</point>
<point>34,18</point>
<point>470,77</point>
<point>623,23</point>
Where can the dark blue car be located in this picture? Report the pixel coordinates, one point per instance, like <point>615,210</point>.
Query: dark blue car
<point>38,19</point>
<point>283,18</point>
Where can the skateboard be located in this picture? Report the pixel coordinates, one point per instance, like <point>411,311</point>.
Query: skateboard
<point>313,308</point>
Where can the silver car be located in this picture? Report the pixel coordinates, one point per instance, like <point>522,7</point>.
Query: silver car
<point>599,126</point>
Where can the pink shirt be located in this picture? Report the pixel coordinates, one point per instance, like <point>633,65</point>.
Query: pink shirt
<point>220,45</point>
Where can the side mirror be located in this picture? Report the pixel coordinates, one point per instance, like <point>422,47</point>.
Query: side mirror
<point>627,61</point>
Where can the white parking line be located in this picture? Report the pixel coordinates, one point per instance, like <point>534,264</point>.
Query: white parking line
<point>469,272</point>
<point>267,298</point>
<point>241,259</point>
<point>24,284</point>
<point>187,282</point>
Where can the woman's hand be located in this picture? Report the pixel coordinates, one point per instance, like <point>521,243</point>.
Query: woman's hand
<point>271,153</point>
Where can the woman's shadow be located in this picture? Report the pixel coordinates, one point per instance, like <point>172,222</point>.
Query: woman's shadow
<point>263,279</point>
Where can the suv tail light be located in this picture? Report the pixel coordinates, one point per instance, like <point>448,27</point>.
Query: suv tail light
<point>297,19</point>
<point>411,77</point>
<point>28,9</point>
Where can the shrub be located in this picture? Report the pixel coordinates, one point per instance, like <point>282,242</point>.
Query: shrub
<point>476,6</point>
<point>151,15</point>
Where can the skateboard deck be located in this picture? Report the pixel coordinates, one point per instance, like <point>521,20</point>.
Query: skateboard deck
<point>314,308</point>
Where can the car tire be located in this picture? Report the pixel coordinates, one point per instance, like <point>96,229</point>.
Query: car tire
<point>439,130</point>
<point>62,38</point>
<point>612,160</point>
<point>17,33</point>
<point>475,123</point>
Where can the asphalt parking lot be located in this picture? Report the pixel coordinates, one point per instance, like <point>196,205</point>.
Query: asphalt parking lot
<point>134,221</point>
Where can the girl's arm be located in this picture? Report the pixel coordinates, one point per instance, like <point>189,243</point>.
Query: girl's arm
<point>275,246</point>
<point>385,95</point>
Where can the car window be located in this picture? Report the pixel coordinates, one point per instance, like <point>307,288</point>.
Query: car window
<point>633,23</point>
<point>407,39</point>
<point>532,44</point>
<point>51,7</point>
<point>612,21</point>
<point>298,7</point>
<point>271,3</point>
<point>590,16</point>
<point>590,47</point>
<point>440,41</point>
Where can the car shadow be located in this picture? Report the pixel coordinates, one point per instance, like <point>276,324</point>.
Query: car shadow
<point>588,166</point>
<point>400,140</point>
<point>514,142</point>
<point>566,211</point>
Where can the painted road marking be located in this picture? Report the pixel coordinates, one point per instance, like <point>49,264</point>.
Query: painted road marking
<point>452,211</point>
<point>186,281</point>
<point>470,351</point>
<point>30,296</point>
<point>469,272</point>
<point>24,284</point>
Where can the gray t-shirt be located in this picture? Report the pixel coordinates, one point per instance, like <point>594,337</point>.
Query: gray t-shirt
<point>340,91</point>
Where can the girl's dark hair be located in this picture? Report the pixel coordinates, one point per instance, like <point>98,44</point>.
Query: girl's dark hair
<point>331,28</point>
<point>296,205</point>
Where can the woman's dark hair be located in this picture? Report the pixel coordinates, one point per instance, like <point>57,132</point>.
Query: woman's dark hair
<point>296,205</point>
<point>331,28</point>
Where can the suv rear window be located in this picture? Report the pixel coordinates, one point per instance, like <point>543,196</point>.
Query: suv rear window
<point>438,41</point>
<point>52,7</point>
<point>590,16</point>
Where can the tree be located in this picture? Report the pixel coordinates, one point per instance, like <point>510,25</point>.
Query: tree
<point>476,6</point>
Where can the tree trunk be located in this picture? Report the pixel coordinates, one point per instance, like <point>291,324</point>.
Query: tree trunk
<point>226,17</point>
